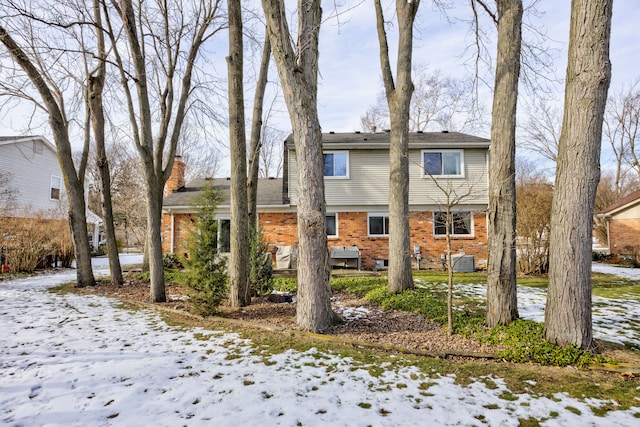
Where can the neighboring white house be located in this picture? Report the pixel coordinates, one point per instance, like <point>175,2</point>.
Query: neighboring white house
<point>31,163</point>
<point>34,173</point>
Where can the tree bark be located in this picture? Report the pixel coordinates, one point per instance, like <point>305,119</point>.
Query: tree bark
<point>96,87</point>
<point>157,152</point>
<point>399,100</point>
<point>72,180</point>
<point>502,303</point>
<point>239,289</point>
<point>256,135</point>
<point>568,310</point>
<point>298,73</point>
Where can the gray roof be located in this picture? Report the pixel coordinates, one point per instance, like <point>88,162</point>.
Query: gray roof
<point>269,192</point>
<point>380,140</point>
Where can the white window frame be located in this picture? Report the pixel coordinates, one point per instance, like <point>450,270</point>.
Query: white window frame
<point>442,152</point>
<point>375,215</point>
<point>341,152</point>
<point>219,242</point>
<point>58,187</point>
<point>452,234</point>
<point>333,214</point>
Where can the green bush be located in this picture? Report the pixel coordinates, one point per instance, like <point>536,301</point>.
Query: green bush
<point>170,260</point>
<point>261,273</point>
<point>206,274</point>
<point>283,284</point>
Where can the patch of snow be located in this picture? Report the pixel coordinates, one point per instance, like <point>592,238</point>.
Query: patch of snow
<point>624,272</point>
<point>70,360</point>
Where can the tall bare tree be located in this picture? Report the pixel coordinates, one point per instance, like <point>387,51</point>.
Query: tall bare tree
<point>438,103</point>
<point>568,310</point>
<point>621,129</point>
<point>95,88</point>
<point>398,92</point>
<point>502,304</point>
<point>164,42</point>
<point>239,294</point>
<point>255,142</point>
<point>53,102</point>
<point>298,71</point>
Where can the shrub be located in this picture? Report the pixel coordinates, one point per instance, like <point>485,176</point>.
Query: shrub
<point>206,276</point>
<point>170,260</point>
<point>34,239</point>
<point>283,284</point>
<point>261,273</point>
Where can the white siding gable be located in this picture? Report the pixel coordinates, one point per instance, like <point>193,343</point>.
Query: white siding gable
<point>32,162</point>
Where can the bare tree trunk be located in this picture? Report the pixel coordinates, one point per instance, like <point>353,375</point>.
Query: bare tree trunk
<point>73,180</point>
<point>239,289</point>
<point>299,76</point>
<point>256,135</point>
<point>568,310</point>
<point>96,87</point>
<point>502,303</point>
<point>399,100</point>
<point>157,152</point>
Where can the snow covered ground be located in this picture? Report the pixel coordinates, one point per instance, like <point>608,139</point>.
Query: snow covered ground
<point>69,360</point>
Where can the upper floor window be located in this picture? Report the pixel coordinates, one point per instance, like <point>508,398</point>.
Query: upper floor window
<point>56,184</point>
<point>332,225</point>
<point>443,163</point>
<point>459,224</point>
<point>336,164</point>
<point>378,224</point>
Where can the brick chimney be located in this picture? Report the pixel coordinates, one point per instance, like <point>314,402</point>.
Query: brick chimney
<point>176,180</point>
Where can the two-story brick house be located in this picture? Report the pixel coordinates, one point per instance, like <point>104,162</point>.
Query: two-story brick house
<point>442,166</point>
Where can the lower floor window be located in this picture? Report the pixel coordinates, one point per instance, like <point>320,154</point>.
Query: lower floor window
<point>378,225</point>
<point>459,223</point>
<point>224,235</point>
<point>332,225</point>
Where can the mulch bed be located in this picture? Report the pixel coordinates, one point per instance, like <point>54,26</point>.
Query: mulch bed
<point>362,322</point>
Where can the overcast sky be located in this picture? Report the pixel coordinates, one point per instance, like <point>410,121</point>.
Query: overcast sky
<point>350,81</point>
<point>350,69</point>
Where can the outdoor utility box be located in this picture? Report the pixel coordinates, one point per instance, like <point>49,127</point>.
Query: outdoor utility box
<point>463,263</point>
<point>345,257</point>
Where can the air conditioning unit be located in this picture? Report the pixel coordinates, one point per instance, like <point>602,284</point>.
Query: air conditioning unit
<point>462,263</point>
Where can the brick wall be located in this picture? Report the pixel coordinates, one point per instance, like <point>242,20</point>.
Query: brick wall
<point>622,233</point>
<point>176,180</point>
<point>280,229</point>
<point>182,224</point>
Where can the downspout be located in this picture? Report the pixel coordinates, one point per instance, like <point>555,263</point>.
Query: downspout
<point>173,232</point>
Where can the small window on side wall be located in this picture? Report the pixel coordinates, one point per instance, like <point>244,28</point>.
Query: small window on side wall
<point>332,225</point>
<point>336,164</point>
<point>56,184</point>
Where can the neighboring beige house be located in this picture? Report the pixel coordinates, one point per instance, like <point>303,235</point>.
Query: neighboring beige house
<point>357,194</point>
<point>623,225</point>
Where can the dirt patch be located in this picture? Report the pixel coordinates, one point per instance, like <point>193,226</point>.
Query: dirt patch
<point>362,321</point>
